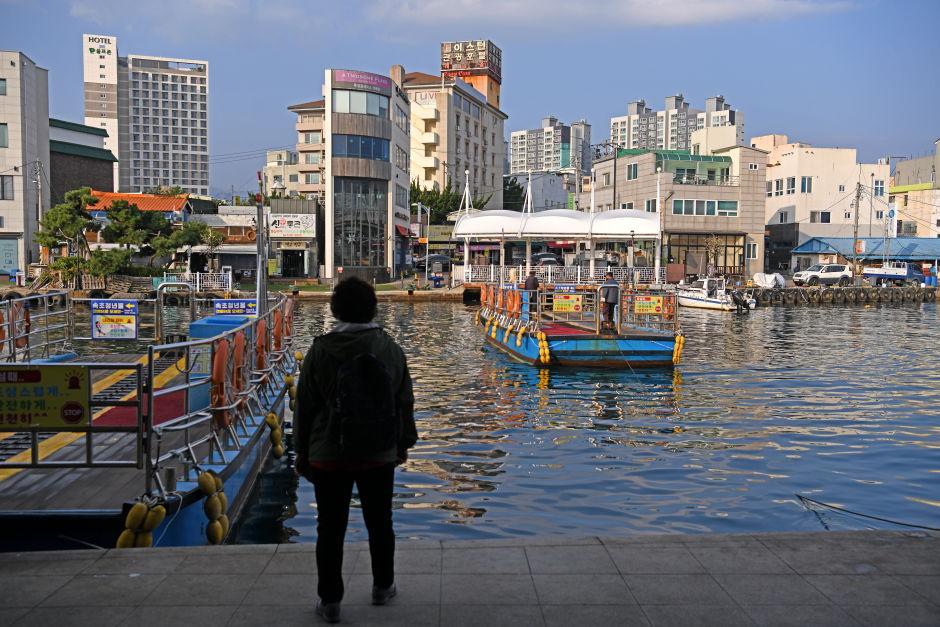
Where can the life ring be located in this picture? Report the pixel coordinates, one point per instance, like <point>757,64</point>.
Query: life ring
<point>20,317</point>
<point>517,304</point>
<point>3,332</point>
<point>483,297</point>
<point>278,330</point>
<point>217,389</point>
<point>511,303</point>
<point>252,236</point>
<point>238,361</point>
<point>261,348</point>
<point>499,302</point>
<point>289,318</point>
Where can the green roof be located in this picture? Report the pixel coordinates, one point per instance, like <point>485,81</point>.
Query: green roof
<point>80,150</point>
<point>632,152</point>
<point>80,128</point>
<point>673,156</point>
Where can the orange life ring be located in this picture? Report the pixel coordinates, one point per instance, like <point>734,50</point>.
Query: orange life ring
<point>499,302</point>
<point>510,299</point>
<point>217,389</point>
<point>252,236</point>
<point>3,332</point>
<point>20,340</point>
<point>278,330</point>
<point>483,296</point>
<point>261,348</point>
<point>517,304</point>
<point>289,318</point>
<point>238,370</point>
<point>512,304</point>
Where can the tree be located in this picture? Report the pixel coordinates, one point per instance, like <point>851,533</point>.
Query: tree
<point>149,231</point>
<point>513,194</point>
<point>176,190</point>
<point>441,203</point>
<point>69,222</point>
<point>714,245</point>
<point>107,262</point>
<point>202,233</point>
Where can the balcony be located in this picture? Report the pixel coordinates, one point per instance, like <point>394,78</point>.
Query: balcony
<point>309,127</point>
<point>424,113</point>
<point>309,167</point>
<point>424,162</point>
<point>706,179</point>
<point>430,138</point>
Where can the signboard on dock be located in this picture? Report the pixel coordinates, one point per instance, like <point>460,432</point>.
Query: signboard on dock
<point>565,289</point>
<point>648,305</point>
<point>237,307</point>
<point>114,319</point>
<point>44,396</point>
<point>567,302</point>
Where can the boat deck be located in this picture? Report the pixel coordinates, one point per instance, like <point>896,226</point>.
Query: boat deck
<point>89,489</point>
<point>570,328</point>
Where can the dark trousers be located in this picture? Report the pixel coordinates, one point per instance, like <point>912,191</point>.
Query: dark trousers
<point>334,491</point>
<point>609,311</point>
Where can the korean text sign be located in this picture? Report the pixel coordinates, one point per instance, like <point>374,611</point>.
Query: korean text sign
<point>648,305</point>
<point>237,307</point>
<point>44,396</point>
<point>114,319</point>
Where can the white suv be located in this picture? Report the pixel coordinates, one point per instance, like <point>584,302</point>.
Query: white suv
<point>828,274</point>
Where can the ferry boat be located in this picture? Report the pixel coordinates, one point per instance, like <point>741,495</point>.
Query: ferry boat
<point>713,294</point>
<point>154,448</point>
<point>562,325</point>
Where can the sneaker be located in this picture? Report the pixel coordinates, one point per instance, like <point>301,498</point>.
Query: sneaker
<point>380,596</point>
<point>329,611</point>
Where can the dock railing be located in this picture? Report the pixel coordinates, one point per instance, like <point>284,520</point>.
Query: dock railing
<point>35,327</point>
<point>202,281</point>
<point>562,274</point>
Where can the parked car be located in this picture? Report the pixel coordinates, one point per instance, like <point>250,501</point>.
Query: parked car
<point>537,257</point>
<point>824,274</point>
<point>547,261</point>
<point>424,262</point>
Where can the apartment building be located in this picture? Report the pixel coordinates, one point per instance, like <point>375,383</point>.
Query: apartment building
<point>78,158</point>
<point>719,194</point>
<point>24,157</point>
<point>915,191</point>
<point>810,192</point>
<point>365,132</point>
<point>280,173</point>
<point>671,128</point>
<point>156,113</point>
<point>311,148</point>
<point>455,129</point>
<point>549,190</point>
<point>555,147</point>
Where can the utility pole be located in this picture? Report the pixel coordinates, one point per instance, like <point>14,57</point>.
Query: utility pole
<point>262,291</point>
<point>871,202</point>
<point>615,204</point>
<point>858,196</point>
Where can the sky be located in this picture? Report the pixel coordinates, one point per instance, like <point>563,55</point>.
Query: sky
<point>834,73</point>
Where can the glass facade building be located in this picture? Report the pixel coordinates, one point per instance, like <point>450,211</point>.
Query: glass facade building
<point>360,221</point>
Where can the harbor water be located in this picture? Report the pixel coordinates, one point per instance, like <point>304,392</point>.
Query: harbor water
<point>833,404</point>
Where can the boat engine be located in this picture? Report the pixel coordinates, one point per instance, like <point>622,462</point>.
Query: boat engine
<point>738,299</point>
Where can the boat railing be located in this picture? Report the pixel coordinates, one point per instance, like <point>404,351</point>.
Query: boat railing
<point>653,311</point>
<point>201,281</point>
<point>562,274</point>
<point>240,394</point>
<point>35,327</point>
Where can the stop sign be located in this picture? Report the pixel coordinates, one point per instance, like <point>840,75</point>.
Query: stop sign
<point>72,413</point>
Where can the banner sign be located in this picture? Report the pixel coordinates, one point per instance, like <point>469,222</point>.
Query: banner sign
<point>648,305</point>
<point>44,396</point>
<point>440,233</point>
<point>114,319</point>
<point>565,289</point>
<point>303,225</point>
<point>237,307</point>
<point>567,302</point>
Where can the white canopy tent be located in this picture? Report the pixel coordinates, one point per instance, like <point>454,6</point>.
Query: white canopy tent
<point>622,224</point>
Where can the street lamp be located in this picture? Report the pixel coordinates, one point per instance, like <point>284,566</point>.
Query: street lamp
<point>632,259</point>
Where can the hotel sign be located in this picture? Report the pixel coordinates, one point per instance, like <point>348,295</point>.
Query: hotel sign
<point>362,81</point>
<point>478,57</point>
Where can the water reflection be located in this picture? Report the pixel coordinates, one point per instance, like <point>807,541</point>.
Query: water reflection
<point>834,403</point>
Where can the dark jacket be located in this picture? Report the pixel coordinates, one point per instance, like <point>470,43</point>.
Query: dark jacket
<point>609,295</point>
<point>532,283</point>
<point>317,385</point>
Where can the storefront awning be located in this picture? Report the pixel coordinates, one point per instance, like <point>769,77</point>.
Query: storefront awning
<point>403,231</point>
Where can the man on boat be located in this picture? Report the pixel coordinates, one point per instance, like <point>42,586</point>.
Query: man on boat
<point>609,297</point>
<point>532,287</point>
<point>354,423</point>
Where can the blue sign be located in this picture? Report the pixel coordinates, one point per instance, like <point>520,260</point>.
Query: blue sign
<point>9,247</point>
<point>237,307</point>
<point>891,213</point>
<point>114,319</point>
<point>565,289</point>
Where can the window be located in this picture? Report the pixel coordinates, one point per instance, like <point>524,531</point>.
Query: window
<point>791,185</point>
<point>806,187</point>
<point>359,147</point>
<point>3,87</point>
<point>879,188</point>
<point>769,186</point>
<point>4,138</point>
<point>727,208</point>
<point>819,217</point>
<point>881,214</point>
<point>312,178</point>
<point>6,188</point>
<point>401,196</point>
<point>312,157</point>
<point>778,187</point>
<point>311,138</point>
<point>401,158</point>
<point>752,166</point>
<point>651,205</point>
<point>292,178</point>
<point>363,103</point>
<point>606,179</point>
<point>752,251</point>
<point>841,188</point>
<point>783,217</point>
<point>360,209</point>
<point>626,205</point>
<point>631,171</point>
<point>401,119</point>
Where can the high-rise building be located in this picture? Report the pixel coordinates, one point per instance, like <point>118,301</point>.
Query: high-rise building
<point>555,147</point>
<point>671,128</point>
<point>156,112</point>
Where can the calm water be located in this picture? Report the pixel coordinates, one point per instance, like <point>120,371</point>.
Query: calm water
<point>838,404</point>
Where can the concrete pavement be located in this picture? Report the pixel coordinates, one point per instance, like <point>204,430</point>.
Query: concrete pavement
<point>836,578</point>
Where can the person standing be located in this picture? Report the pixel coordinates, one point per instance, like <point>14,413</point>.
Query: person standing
<point>609,298</point>
<point>354,423</point>
<point>532,288</point>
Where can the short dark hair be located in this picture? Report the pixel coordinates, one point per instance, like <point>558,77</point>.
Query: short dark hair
<point>610,274</point>
<point>353,300</point>
<point>531,272</point>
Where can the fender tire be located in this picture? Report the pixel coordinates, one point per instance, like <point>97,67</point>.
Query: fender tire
<point>763,297</point>
<point>838,296</point>
<point>895,295</point>
<point>33,299</point>
<point>789,297</point>
<point>930,294</point>
<point>813,296</point>
<point>151,295</point>
<point>173,299</point>
<point>777,297</point>
<point>827,295</point>
<point>908,293</point>
<point>851,294</point>
<point>96,294</point>
<point>861,295</point>
<point>919,295</point>
<point>874,295</point>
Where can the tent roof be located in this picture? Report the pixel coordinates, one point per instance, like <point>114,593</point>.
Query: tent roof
<point>558,224</point>
<point>899,249</point>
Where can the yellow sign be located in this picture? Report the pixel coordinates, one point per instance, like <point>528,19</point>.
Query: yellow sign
<point>568,302</point>
<point>272,266</point>
<point>44,396</point>
<point>648,305</point>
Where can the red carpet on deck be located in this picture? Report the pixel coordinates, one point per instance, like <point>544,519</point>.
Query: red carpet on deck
<point>165,408</point>
<point>557,328</point>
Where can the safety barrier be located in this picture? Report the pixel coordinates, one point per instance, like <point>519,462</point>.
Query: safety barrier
<point>562,274</point>
<point>34,327</point>
<point>202,281</point>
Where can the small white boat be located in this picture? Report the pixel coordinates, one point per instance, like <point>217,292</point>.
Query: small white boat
<point>712,294</point>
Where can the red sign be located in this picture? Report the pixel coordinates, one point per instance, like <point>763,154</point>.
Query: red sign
<point>73,413</point>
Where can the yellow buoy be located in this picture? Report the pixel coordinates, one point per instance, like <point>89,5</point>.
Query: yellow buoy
<point>289,380</point>
<point>292,403</point>
<point>275,436</point>
<point>223,521</point>
<point>218,480</point>
<point>223,501</point>
<point>214,532</point>
<point>126,539</point>
<point>154,517</point>
<point>144,540</point>
<point>277,451</point>
<point>212,508</point>
<point>207,484</point>
<point>292,392</point>
<point>272,422</point>
<point>135,517</point>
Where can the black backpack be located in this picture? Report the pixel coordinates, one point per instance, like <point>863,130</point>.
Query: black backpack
<point>364,418</point>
